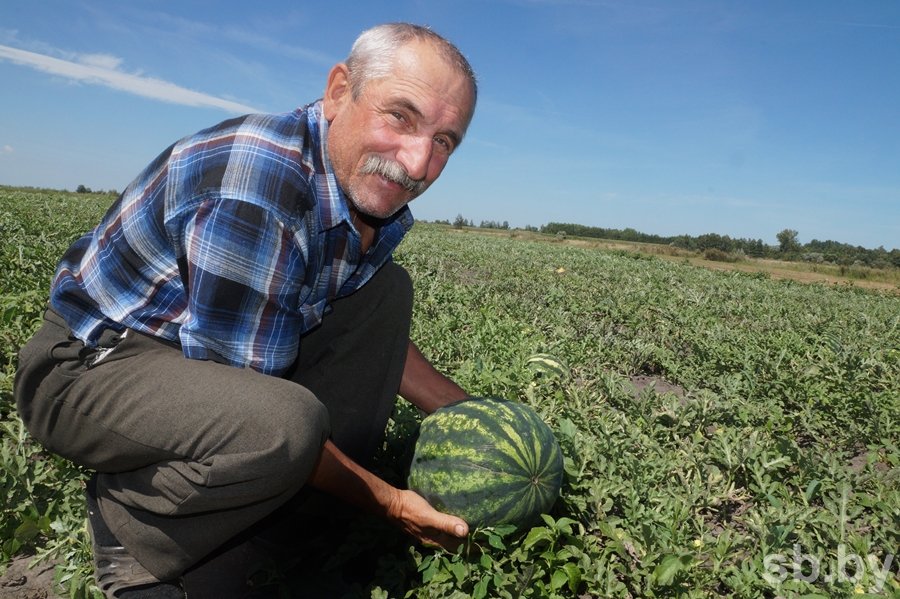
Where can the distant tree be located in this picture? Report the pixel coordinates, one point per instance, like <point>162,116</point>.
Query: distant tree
<point>629,234</point>
<point>459,222</point>
<point>82,189</point>
<point>895,257</point>
<point>787,240</point>
<point>715,241</point>
<point>756,248</point>
<point>493,224</point>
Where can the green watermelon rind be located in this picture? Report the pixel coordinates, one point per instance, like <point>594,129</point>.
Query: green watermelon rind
<point>489,461</point>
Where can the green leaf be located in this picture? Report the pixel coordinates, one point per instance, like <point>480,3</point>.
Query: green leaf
<point>564,525</point>
<point>504,529</point>
<point>567,428</point>
<point>481,588</point>
<point>11,546</point>
<point>27,530</point>
<point>459,571</point>
<point>535,536</point>
<point>559,578</point>
<point>429,568</point>
<point>574,574</point>
<point>811,488</point>
<point>669,567</point>
<point>496,542</point>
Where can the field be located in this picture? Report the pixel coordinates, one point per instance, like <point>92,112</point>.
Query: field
<point>725,434</point>
<point>878,279</point>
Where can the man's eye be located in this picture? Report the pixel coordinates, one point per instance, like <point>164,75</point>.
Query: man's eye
<point>444,144</point>
<point>398,116</point>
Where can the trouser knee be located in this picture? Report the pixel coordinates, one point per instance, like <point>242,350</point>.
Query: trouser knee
<point>288,438</point>
<point>306,439</point>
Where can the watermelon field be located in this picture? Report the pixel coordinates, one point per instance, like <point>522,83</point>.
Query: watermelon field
<point>724,434</point>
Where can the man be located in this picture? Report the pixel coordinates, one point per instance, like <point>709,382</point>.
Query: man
<point>234,331</point>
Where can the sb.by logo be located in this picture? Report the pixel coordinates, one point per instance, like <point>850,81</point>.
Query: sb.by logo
<point>850,568</point>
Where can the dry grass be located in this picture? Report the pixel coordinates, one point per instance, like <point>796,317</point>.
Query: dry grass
<point>887,280</point>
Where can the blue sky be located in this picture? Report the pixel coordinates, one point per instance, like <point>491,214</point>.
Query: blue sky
<point>695,116</point>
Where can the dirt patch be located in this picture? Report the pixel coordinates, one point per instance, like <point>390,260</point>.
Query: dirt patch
<point>777,270</point>
<point>859,462</point>
<point>659,385</point>
<point>21,581</point>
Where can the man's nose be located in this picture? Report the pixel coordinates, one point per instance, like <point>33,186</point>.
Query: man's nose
<point>415,156</point>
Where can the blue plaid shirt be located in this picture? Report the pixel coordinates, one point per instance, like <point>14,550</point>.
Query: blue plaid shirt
<point>231,243</point>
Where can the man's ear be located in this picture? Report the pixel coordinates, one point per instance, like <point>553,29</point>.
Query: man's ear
<point>337,91</point>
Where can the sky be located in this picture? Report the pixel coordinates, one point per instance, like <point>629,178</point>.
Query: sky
<point>669,117</point>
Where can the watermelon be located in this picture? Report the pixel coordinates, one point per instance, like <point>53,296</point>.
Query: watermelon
<point>489,461</point>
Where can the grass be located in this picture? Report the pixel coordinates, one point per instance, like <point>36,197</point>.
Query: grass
<point>726,434</point>
<point>882,279</point>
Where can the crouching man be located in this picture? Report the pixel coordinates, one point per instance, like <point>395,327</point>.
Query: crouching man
<point>234,331</point>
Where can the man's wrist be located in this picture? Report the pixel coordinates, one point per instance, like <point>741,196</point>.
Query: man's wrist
<point>393,509</point>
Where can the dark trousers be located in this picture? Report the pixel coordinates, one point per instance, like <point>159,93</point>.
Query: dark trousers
<point>191,453</point>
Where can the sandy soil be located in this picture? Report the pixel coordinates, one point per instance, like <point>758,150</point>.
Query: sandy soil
<point>20,581</point>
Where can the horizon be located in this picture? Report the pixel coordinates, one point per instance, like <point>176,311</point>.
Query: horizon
<point>687,119</point>
<point>474,225</point>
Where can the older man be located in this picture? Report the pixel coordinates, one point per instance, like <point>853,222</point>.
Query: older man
<point>234,332</point>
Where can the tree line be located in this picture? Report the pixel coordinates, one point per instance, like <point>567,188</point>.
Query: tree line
<point>724,247</point>
<point>85,189</point>
<point>788,248</point>
<point>713,245</point>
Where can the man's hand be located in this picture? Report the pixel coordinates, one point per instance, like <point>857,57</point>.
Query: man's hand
<point>340,476</point>
<point>417,518</point>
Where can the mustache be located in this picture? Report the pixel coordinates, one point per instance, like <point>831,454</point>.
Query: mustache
<point>392,171</point>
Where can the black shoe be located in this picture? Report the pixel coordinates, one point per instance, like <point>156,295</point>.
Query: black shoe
<point>118,574</point>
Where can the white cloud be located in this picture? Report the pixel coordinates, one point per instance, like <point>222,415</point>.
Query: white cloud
<point>103,69</point>
<point>103,61</point>
<point>7,149</point>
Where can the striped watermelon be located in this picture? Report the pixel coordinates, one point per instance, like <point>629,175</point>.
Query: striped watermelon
<point>488,461</point>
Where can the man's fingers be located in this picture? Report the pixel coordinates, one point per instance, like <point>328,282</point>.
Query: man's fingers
<point>444,541</point>
<point>457,527</point>
<point>428,525</point>
<point>450,534</point>
<point>450,524</point>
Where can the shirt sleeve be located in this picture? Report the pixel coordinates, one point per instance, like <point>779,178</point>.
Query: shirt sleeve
<point>244,280</point>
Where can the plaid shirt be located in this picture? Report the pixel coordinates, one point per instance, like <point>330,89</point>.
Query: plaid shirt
<point>231,243</point>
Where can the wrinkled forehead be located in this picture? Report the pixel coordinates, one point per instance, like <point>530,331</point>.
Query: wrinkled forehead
<point>425,65</point>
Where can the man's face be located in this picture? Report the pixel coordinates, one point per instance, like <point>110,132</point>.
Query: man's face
<point>413,119</point>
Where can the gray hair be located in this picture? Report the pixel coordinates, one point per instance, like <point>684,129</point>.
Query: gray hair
<point>373,52</point>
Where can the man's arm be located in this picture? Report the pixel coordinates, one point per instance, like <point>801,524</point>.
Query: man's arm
<point>338,475</point>
<point>425,387</point>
